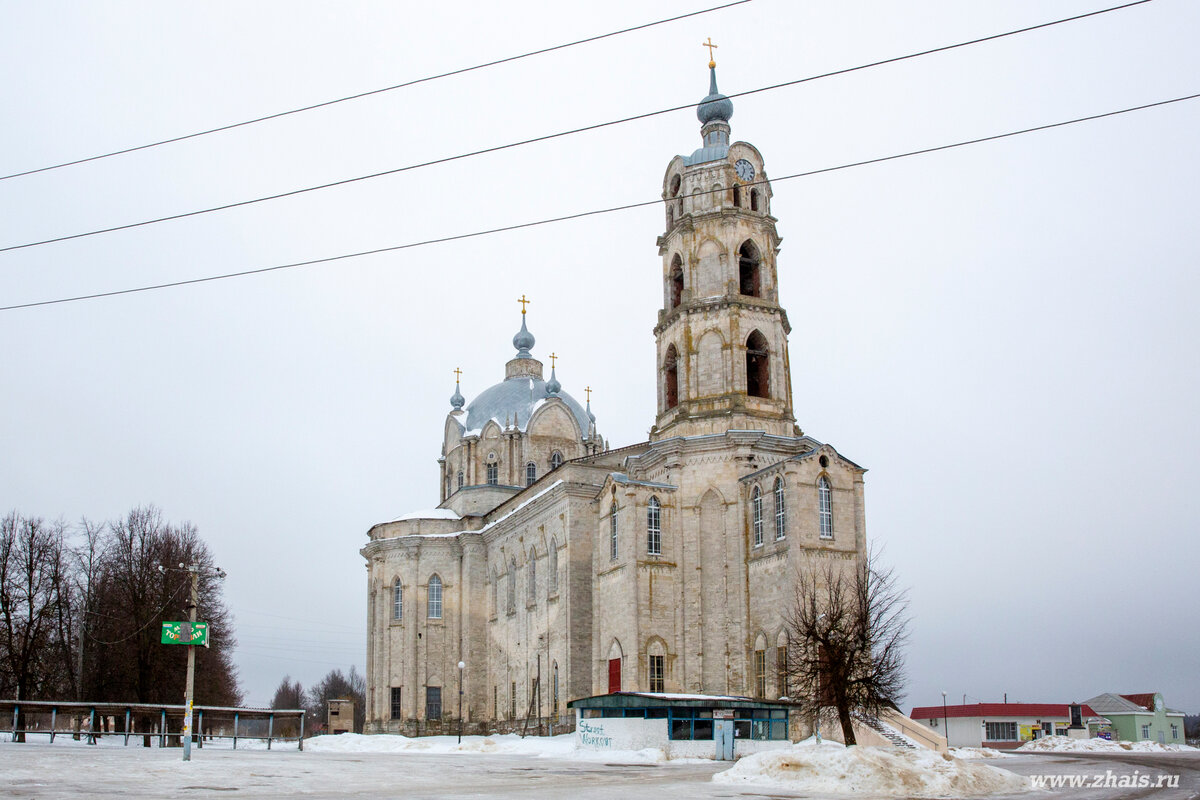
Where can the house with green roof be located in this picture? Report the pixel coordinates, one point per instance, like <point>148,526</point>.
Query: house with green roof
<point>1140,717</point>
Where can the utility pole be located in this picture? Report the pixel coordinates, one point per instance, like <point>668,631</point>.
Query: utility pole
<point>194,574</point>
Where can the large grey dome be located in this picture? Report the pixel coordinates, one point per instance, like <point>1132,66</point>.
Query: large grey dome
<point>518,398</point>
<point>716,106</point>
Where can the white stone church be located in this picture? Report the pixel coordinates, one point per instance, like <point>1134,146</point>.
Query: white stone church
<point>557,567</point>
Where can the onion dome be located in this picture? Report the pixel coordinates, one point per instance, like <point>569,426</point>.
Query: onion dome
<point>457,401</point>
<point>716,107</point>
<point>524,340</point>
<point>553,387</point>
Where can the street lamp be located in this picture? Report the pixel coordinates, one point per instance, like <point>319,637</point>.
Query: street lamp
<point>461,665</point>
<point>945,721</point>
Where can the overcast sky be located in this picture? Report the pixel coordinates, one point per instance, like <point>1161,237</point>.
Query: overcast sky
<point>1004,334</point>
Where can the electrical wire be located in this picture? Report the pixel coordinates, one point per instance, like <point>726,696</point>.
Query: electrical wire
<point>153,618</point>
<point>371,92</point>
<point>551,136</point>
<point>592,213</point>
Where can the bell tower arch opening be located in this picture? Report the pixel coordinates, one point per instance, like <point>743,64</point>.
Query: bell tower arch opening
<point>671,378</point>
<point>758,362</point>
<point>676,282</point>
<point>749,270</point>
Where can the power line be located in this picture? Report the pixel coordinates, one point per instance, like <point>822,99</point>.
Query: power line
<point>594,212</point>
<point>371,92</point>
<point>548,137</point>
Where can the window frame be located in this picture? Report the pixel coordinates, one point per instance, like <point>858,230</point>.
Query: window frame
<point>397,600</point>
<point>433,597</point>
<point>756,515</point>
<point>397,702</point>
<point>493,474</point>
<point>654,526</point>
<point>613,542</point>
<point>657,672</point>
<point>530,473</point>
<point>825,507</point>
<point>780,509</point>
<point>433,703</point>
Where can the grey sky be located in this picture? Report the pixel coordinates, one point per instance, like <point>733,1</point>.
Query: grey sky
<point>1004,334</point>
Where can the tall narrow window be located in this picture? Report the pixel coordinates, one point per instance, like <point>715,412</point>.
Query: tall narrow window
<point>556,459</point>
<point>676,281</point>
<point>754,199</point>
<point>756,510</point>
<point>397,600</point>
<point>460,479</point>
<point>397,705</point>
<point>781,669</point>
<point>758,373</point>
<point>512,585</point>
<point>512,701</point>
<point>671,378</point>
<point>737,195</point>
<point>530,473</point>
<point>554,691</point>
<point>749,277</point>
<point>532,589</point>
<point>612,534</point>
<point>780,510</point>
<point>493,474</point>
<point>654,527</point>
<point>760,673</point>
<point>825,504</point>
<point>435,597</point>
<point>552,568</point>
<point>657,673</point>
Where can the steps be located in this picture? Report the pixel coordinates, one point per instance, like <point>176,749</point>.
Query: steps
<point>894,736</point>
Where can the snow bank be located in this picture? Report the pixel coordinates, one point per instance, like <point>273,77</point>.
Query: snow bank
<point>553,746</point>
<point>972,753</point>
<point>1061,744</point>
<point>830,767</point>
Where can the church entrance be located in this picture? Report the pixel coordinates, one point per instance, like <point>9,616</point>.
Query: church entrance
<point>614,675</point>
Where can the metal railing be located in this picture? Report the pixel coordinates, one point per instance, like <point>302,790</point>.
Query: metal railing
<point>210,721</point>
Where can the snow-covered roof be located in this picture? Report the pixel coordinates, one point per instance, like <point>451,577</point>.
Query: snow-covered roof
<point>429,513</point>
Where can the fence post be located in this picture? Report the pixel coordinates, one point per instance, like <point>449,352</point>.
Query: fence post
<point>270,729</point>
<point>162,730</point>
<point>16,711</point>
<point>127,727</point>
<point>302,731</point>
<point>53,722</point>
<point>200,729</point>
<point>92,725</point>
<point>235,727</point>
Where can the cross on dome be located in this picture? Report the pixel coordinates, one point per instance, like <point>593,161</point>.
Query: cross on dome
<point>711,61</point>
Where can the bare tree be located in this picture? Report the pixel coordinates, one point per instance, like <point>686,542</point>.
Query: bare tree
<point>290,695</point>
<point>336,685</point>
<point>34,604</point>
<point>847,630</point>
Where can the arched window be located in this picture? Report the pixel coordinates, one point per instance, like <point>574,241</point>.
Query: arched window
<point>460,479</point>
<point>612,534</point>
<point>715,196</point>
<point>435,597</point>
<point>397,600</point>
<point>754,199</point>
<point>556,460</point>
<point>552,568</point>
<point>532,589</point>
<point>749,278</point>
<point>671,377</point>
<point>676,282</point>
<point>780,510</point>
<point>512,585</point>
<point>758,373</point>
<point>493,474</point>
<point>737,195</point>
<point>756,511</point>
<point>654,527</point>
<point>656,658</point>
<point>530,473</point>
<point>676,183</point>
<point>825,504</point>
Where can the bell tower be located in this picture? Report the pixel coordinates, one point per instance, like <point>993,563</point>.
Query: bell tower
<point>721,336</point>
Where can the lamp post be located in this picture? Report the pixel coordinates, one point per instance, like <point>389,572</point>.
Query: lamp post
<point>817,711</point>
<point>461,665</point>
<point>945,721</point>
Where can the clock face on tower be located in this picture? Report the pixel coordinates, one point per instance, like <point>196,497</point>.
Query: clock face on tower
<point>745,169</point>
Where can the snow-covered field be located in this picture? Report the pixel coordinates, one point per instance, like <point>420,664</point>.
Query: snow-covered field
<point>830,768</point>
<point>1062,744</point>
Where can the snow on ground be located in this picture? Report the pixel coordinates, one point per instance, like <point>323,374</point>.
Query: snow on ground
<point>509,744</point>
<point>1063,744</point>
<point>877,771</point>
<point>972,753</point>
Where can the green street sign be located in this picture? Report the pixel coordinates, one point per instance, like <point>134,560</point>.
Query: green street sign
<point>185,633</point>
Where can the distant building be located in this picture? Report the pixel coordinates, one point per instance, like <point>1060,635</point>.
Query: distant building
<point>341,717</point>
<point>1140,717</point>
<point>1004,726</point>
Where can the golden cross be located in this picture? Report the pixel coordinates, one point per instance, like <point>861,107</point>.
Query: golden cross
<point>589,393</point>
<point>553,358</point>
<point>523,303</point>
<point>457,374</point>
<point>710,46</point>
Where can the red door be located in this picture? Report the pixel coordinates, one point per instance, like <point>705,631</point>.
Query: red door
<point>614,675</point>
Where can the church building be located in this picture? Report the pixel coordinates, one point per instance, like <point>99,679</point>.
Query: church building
<point>556,567</point>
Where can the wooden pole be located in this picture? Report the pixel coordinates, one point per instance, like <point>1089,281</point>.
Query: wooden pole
<point>191,669</point>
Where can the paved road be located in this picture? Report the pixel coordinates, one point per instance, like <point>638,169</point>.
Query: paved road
<point>1118,765</point>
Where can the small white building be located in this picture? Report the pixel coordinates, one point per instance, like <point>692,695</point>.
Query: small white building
<point>1004,725</point>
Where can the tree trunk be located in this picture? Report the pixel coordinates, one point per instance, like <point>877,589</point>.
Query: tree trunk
<point>847,724</point>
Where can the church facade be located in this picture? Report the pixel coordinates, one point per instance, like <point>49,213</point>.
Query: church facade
<point>556,567</point>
